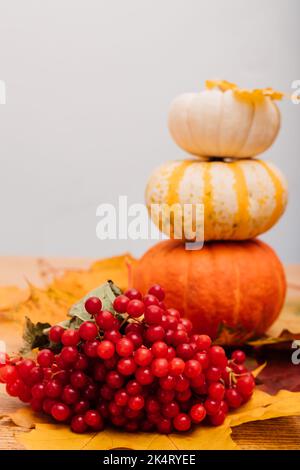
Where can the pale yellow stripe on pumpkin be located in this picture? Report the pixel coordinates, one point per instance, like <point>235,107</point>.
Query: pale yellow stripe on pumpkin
<point>241,221</point>
<point>208,200</point>
<point>279,206</point>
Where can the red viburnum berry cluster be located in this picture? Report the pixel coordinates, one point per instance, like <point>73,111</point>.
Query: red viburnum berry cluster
<point>148,372</point>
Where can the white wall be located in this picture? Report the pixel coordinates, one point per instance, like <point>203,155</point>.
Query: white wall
<point>89,83</point>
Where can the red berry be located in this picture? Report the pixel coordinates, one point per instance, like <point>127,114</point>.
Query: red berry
<point>35,375</point>
<point>171,409</point>
<point>192,369</point>
<point>143,356</point>
<point>81,406</point>
<point>182,384</point>
<point>69,354</point>
<point>136,402</point>
<point>168,382</point>
<point>157,291</point>
<point>154,333</point>
<point>90,392</point>
<point>106,349</point>
<point>216,391</point>
<point>78,424</point>
<point>70,337</point>
<point>176,366</point>
<point>182,422</point>
<point>197,413</point>
<point>8,374</point>
<point>38,391</point>
<point>114,379</point>
<point>164,426</point>
<point>233,398</point>
<point>112,335</point>
<point>185,351</point>
<point>135,308</point>
<point>81,363</point>
<point>153,315</point>
<point>107,321</point>
<point>93,305</point>
<point>174,313</point>
<point>212,406</point>
<point>23,367</point>
<point>88,331</point>
<point>70,396</point>
<point>203,358</point>
<point>93,419</point>
<point>160,367</point>
<point>203,342</point>
<point>218,419</point>
<point>60,412</point>
<point>179,336</point>
<point>165,396</point>
<point>45,358</point>
<point>121,397</point>
<point>144,375</point>
<point>55,333</point>
<point>53,389</point>
<point>218,357</point>
<point>135,338</point>
<point>78,379</point>
<point>120,303</point>
<point>90,348</point>
<point>159,349</point>
<point>213,374</point>
<point>238,356</point>
<point>152,406</point>
<point>245,385</point>
<point>133,388</point>
<point>124,347</point>
<point>187,324</point>
<point>126,366</point>
<point>133,294</point>
<point>150,300</point>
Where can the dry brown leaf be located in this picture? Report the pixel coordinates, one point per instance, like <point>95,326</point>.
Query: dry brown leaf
<point>262,406</point>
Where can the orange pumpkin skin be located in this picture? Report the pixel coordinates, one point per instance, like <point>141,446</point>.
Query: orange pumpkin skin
<point>237,284</point>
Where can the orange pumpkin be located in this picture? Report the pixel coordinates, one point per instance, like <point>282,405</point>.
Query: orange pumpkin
<point>239,286</point>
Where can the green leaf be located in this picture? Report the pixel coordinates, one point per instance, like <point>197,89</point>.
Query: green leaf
<point>34,336</point>
<point>107,292</point>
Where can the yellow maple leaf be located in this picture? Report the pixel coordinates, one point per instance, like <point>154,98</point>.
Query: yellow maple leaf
<point>262,406</point>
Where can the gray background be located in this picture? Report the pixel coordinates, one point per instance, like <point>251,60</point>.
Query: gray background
<point>88,89</point>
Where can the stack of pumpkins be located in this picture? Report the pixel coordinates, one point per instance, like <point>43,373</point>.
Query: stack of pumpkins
<point>234,287</point>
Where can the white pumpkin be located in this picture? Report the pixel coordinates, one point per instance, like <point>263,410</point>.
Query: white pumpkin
<point>225,121</point>
<point>241,198</point>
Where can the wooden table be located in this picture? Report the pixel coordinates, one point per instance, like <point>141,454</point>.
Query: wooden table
<point>280,433</point>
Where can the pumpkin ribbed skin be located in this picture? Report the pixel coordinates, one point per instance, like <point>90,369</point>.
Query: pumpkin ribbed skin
<point>217,123</point>
<point>241,199</point>
<point>240,284</point>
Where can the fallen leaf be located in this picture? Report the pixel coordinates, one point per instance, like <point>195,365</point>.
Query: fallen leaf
<point>262,406</point>
<point>11,296</point>
<point>280,373</point>
<point>26,418</point>
<point>50,305</point>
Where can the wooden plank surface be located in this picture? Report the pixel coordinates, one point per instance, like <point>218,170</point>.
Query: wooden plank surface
<point>280,433</point>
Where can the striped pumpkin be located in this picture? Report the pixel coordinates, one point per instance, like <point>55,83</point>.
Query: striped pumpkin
<point>241,199</point>
<point>240,285</point>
